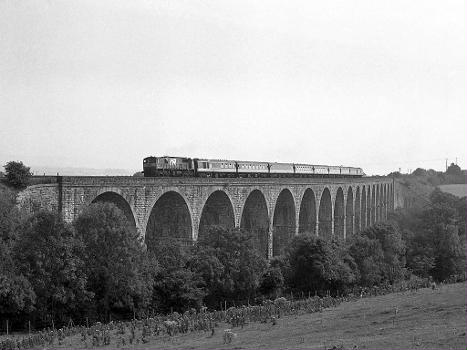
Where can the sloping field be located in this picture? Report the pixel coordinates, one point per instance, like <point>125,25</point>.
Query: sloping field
<point>459,190</point>
<point>426,319</point>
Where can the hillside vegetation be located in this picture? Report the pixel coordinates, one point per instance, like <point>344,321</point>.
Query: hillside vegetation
<point>423,319</point>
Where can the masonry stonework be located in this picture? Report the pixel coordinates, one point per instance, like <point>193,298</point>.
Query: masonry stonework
<point>70,195</point>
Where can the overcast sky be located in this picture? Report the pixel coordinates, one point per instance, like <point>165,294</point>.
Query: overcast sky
<point>102,84</point>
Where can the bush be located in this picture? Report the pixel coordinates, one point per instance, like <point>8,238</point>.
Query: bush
<point>235,266</point>
<point>316,265</point>
<point>17,174</point>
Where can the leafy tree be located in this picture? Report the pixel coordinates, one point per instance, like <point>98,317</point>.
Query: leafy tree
<point>449,255</point>
<point>17,173</point>
<point>48,255</point>
<point>16,293</point>
<point>10,217</point>
<point>176,286</point>
<point>462,215</point>
<point>272,282</point>
<point>113,259</point>
<point>432,246</point>
<point>368,255</point>
<point>235,265</point>
<point>319,265</point>
<point>395,174</point>
<point>419,172</point>
<point>393,248</point>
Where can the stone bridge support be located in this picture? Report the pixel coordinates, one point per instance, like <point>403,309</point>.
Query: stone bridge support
<point>274,210</point>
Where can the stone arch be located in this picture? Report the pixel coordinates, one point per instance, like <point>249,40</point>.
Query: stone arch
<point>349,214</point>
<point>339,214</point>
<point>377,204</point>
<point>381,202</point>
<point>373,205</point>
<point>307,215</point>
<point>364,211</point>
<point>169,218</point>
<point>217,211</point>
<point>386,201</point>
<point>357,210</point>
<point>368,206</point>
<point>391,199</point>
<point>283,222</point>
<point>121,203</point>
<point>255,219</point>
<point>325,215</point>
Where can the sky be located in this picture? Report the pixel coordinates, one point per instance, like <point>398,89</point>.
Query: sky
<point>102,84</point>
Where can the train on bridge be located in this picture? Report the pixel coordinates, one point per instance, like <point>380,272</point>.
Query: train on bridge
<point>196,167</point>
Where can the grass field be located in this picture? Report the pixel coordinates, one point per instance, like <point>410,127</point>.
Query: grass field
<point>427,319</point>
<point>459,190</point>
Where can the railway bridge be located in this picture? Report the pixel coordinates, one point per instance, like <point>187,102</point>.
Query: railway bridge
<point>274,209</point>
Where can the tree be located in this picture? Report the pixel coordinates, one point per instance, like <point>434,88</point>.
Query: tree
<point>16,293</point>
<point>114,260</point>
<point>368,255</point>
<point>462,215</point>
<point>48,255</point>
<point>433,243</point>
<point>419,172</point>
<point>10,216</point>
<point>176,286</point>
<point>17,174</point>
<point>235,266</point>
<point>449,255</point>
<point>272,282</point>
<point>393,248</point>
<point>395,174</point>
<point>318,265</point>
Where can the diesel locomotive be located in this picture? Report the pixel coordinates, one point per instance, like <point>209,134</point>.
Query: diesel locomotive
<point>197,167</point>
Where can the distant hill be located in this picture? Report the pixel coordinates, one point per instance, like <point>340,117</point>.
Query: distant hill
<point>459,190</point>
<point>72,171</point>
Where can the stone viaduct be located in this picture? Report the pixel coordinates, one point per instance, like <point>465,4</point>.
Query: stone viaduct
<point>274,209</point>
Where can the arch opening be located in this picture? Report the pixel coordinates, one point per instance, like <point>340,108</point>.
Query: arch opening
<point>307,215</point>
<point>339,215</point>
<point>256,221</point>
<point>283,222</point>
<point>357,210</point>
<point>378,203</point>
<point>349,213</point>
<point>325,215</point>
<point>169,219</point>
<point>385,202</point>
<point>120,203</point>
<point>217,211</point>
<point>363,210</point>
<point>373,205</point>
<point>368,207</point>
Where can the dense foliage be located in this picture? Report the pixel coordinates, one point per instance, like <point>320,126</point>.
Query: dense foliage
<point>98,269</point>
<point>17,174</point>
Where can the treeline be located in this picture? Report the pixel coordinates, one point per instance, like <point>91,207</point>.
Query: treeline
<point>452,175</point>
<point>96,269</point>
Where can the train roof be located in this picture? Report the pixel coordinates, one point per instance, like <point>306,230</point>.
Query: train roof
<point>255,161</point>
